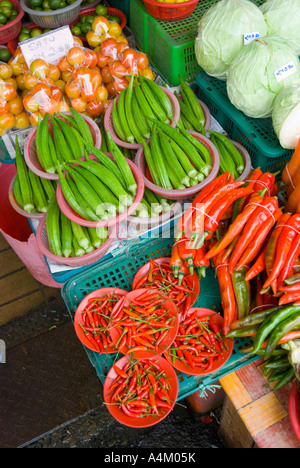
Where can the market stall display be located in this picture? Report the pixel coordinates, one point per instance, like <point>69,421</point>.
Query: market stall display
<point>11,20</point>
<point>115,143</point>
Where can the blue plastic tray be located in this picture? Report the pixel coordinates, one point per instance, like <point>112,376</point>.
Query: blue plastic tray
<point>119,272</point>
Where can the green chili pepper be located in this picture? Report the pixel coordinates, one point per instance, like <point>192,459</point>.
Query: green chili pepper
<point>284,327</point>
<point>254,319</point>
<point>242,292</point>
<point>286,377</point>
<point>247,331</point>
<point>271,323</point>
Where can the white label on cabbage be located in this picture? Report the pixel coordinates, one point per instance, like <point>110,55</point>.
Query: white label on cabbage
<point>285,71</point>
<point>250,37</point>
<point>50,46</point>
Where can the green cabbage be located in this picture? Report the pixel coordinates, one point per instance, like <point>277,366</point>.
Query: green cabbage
<point>283,19</point>
<point>221,33</point>
<point>251,82</point>
<point>286,116</point>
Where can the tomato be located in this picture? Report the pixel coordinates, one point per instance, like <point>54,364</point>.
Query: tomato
<point>111,89</point>
<point>75,56</point>
<point>106,75</point>
<point>143,60</point>
<point>148,73</point>
<point>117,69</point>
<point>29,81</point>
<point>109,48</point>
<point>16,106</point>
<point>95,108</point>
<point>90,58</point>
<point>5,71</point>
<point>120,84</point>
<point>93,39</point>
<point>4,108</point>
<point>7,91</point>
<point>39,68</point>
<point>7,121</point>
<point>102,60</point>
<point>22,120</point>
<point>54,72</point>
<point>100,25</point>
<point>73,89</point>
<point>115,30</point>
<point>79,104</point>
<point>64,65</point>
<point>101,93</point>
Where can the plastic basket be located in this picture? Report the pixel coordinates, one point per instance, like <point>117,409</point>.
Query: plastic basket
<point>257,136</point>
<point>10,31</point>
<point>53,19</point>
<point>16,205</point>
<point>169,11</point>
<point>170,45</point>
<point>119,272</point>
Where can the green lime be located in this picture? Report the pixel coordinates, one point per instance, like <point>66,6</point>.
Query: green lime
<point>76,30</point>
<point>85,28</point>
<point>89,19</point>
<point>54,4</point>
<point>83,18</point>
<point>25,31</point>
<point>38,8</point>
<point>23,37</point>
<point>114,19</point>
<point>46,4</point>
<point>5,55</point>
<point>101,10</point>
<point>7,11</point>
<point>35,3</point>
<point>47,30</point>
<point>3,18</point>
<point>63,4</point>
<point>36,32</point>
<point>7,3</point>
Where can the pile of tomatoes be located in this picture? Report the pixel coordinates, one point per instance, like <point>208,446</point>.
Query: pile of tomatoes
<point>85,79</point>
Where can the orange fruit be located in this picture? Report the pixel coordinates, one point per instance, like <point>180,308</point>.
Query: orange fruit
<point>5,71</point>
<point>16,106</point>
<point>40,68</point>
<point>79,104</point>
<point>76,56</point>
<point>100,25</point>
<point>22,120</point>
<point>7,121</point>
<point>93,39</point>
<point>101,93</point>
<point>54,72</point>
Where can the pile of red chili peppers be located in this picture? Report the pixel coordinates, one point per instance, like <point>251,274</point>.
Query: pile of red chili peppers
<point>141,389</point>
<point>143,322</point>
<point>96,321</point>
<point>199,343</point>
<point>161,276</point>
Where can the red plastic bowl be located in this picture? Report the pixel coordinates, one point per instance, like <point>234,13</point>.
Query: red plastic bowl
<point>179,365</point>
<point>170,11</point>
<point>168,305</point>
<point>84,260</point>
<point>189,191</point>
<point>192,280</point>
<point>110,12</point>
<point>78,315</point>
<point>294,410</point>
<point>146,421</point>
<point>71,214</point>
<point>16,205</point>
<point>30,154</point>
<point>109,126</point>
<point>10,31</point>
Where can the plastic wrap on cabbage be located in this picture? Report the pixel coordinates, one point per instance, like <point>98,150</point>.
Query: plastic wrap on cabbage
<point>221,33</point>
<point>286,116</point>
<point>294,357</point>
<point>283,19</point>
<point>258,74</point>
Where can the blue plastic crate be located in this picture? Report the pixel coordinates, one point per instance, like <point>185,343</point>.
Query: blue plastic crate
<point>119,272</point>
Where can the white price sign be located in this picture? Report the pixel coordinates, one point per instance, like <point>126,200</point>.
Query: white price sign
<point>50,46</point>
<point>248,38</point>
<point>285,71</point>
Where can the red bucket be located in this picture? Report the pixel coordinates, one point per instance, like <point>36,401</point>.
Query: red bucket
<point>10,31</point>
<point>170,11</point>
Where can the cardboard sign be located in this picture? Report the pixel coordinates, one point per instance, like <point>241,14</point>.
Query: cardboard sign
<point>50,46</point>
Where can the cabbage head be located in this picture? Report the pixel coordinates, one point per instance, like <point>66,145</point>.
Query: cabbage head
<point>252,85</point>
<point>221,33</point>
<point>286,116</point>
<point>283,19</point>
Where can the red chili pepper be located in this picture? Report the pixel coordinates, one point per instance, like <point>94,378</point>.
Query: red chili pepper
<point>227,296</point>
<point>266,180</point>
<point>287,269</point>
<point>175,261</point>
<point>186,253</point>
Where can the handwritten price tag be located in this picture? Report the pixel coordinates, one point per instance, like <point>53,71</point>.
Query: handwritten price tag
<point>285,71</point>
<point>50,46</point>
<point>248,38</point>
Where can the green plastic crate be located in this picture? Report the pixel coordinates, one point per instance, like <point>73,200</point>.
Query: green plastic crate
<point>256,135</point>
<point>170,45</point>
<point>119,272</point>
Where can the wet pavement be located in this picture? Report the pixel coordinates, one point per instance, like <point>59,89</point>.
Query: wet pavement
<point>52,397</point>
